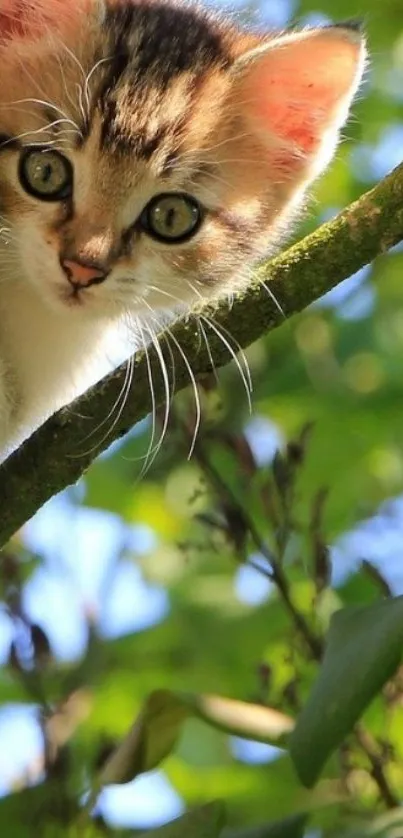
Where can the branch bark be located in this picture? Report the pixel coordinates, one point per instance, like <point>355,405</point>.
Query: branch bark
<point>55,456</point>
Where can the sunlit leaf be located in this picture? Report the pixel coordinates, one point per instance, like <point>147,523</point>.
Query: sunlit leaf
<point>156,730</point>
<point>241,718</point>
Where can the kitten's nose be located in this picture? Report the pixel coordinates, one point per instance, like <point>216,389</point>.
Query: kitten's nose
<point>83,274</point>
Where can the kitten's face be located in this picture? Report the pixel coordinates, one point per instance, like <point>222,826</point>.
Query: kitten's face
<point>144,163</point>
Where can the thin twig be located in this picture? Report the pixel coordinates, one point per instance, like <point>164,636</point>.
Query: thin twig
<point>274,570</point>
<point>371,749</point>
<point>313,642</point>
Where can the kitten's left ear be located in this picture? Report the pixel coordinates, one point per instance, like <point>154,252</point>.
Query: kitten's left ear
<point>295,92</point>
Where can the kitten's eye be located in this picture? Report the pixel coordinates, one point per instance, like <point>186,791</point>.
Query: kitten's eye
<point>46,174</point>
<point>172,217</point>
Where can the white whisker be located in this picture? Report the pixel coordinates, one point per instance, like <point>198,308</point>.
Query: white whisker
<point>272,297</point>
<point>73,57</point>
<point>149,460</point>
<point>195,391</point>
<point>114,406</point>
<point>212,363</point>
<point>153,401</point>
<point>87,79</point>
<point>195,290</point>
<point>165,293</point>
<point>118,405</point>
<point>246,378</point>
<point>44,103</point>
<point>66,90</point>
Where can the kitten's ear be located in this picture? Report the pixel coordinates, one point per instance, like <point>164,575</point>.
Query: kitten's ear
<point>33,18</point>
<point>295,93</point>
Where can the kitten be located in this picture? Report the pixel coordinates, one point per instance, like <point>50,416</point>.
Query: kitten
<point>150,152</point>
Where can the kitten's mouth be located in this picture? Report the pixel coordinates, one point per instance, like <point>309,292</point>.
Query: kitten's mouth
<point>82,302</point>
<point>77,299</point>
<point>73,297</point>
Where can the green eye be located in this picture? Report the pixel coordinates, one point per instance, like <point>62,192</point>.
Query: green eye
<point>172,217</point>
<point>46,174</point>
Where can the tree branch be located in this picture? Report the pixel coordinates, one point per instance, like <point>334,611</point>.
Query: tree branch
<point>56,456</point>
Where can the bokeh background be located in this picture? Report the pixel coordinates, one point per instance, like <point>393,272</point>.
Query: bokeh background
<point>128,585</point>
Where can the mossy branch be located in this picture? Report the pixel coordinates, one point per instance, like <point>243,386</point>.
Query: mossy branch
<point>55,456</point>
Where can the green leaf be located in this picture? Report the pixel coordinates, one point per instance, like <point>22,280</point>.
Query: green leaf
<point>149,741</point>
<point>42,810</point>
<point>363,651</point>
<point>155,732</point>
<point>292,827</point>
<point>204,822</point>
<point>389,825</point>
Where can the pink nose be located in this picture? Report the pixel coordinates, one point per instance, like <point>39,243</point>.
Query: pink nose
<point>82,273</point>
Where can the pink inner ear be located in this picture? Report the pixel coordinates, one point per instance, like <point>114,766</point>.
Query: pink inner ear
<point>31,18</point>
<point>12,13</point>
<point>296,88</point>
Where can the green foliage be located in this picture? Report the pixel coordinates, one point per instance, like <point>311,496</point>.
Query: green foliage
<point>156,730</point>
<point>363,650</point>
<point>318,653</point>
<point>205,822</point>
<point>288,828</point>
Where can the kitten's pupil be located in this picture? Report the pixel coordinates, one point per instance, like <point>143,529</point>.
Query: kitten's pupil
<point>172,217</point>
<point>46,174</point>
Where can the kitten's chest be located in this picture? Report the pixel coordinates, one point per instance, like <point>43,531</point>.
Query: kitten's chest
<point>49,359</point>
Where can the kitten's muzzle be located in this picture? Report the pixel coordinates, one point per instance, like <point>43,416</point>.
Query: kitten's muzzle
<point>82,273</point>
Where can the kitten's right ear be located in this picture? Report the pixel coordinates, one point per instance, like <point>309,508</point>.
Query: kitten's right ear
<point>294,93</point>
<point>31,19</point>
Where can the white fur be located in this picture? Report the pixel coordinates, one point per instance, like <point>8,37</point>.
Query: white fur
<point>46,360</point>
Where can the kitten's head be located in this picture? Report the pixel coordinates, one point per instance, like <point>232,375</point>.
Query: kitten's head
<point>150,152</point>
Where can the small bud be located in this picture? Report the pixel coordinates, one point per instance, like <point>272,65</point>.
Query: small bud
<point>375,574</point>
<point>9,569</point>
<point>105,750</point>
<point>264,672</point>
<point>237,528</point>
<point>322,566</point>
<point>281,473</point>
<point>290,694</point>
<point>41,646</point>
<point>241,448</point>
<point>13,659</point>
<point>295,453</point>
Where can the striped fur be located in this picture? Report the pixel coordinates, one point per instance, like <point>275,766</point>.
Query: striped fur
<point>145,97</point>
